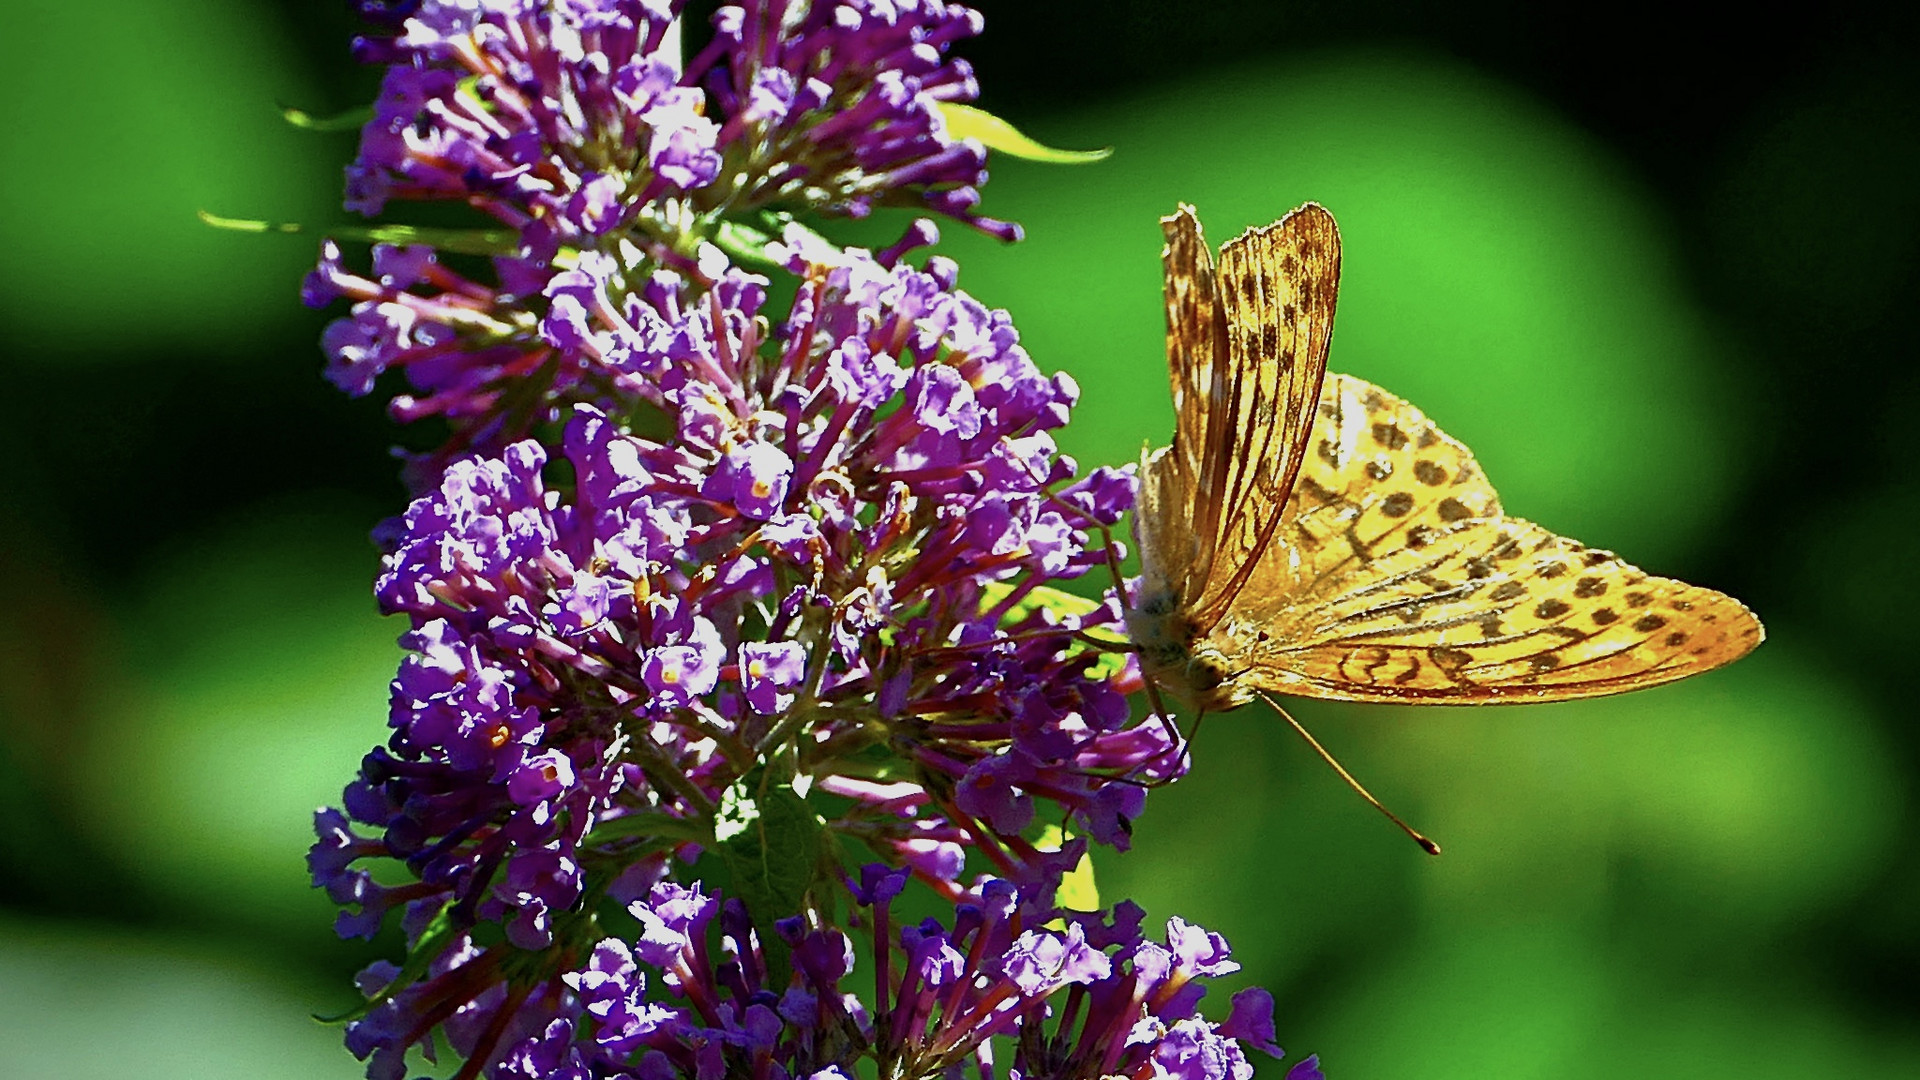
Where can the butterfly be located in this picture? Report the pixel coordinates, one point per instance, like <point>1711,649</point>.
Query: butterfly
<point>1310,534</point>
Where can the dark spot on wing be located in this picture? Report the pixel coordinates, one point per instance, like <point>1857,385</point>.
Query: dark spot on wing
<point>1270,339</point>
<point>1508,590</point>
<point>1639,599</point>
<point>1428,473</point>
<point>1545,662</point>
<point>1379,468</point>
<point>1452,509</point>
<point>1490,627</point>
<point>1428,437</point>
<point>1553,570</point>
<point>1398,504</point>
<point>1677,638</point>
<point>1605,617</point>
<point>1419,536</point>
<point>1479,567</point>
<point>1595,557</point>
<point>1314,488</point>
<point>1329,452</point>
<point>1552,609</point>
<point>1647,624</point>
<point>1389,436</point>
<point>1589,587</point>
<point>1683,605</point>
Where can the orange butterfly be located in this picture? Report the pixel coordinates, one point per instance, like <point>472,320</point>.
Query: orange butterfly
<point>1312,535</point>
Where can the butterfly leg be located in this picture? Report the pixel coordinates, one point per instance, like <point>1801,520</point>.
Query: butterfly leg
<point>1109,549</point>
<point>1180,742</point>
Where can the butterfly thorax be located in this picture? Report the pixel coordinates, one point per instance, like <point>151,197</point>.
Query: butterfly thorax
<point>1177,658</point>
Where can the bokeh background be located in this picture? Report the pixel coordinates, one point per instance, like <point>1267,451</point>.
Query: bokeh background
<point>1659,272</point>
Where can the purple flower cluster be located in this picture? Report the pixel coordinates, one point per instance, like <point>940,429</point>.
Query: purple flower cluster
<point>824,564</point>
<point>575,130</point>
<point>1087,997</point>
<point>701,589</point>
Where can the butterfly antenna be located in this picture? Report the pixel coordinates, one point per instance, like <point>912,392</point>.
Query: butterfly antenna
<point>1426,845</point>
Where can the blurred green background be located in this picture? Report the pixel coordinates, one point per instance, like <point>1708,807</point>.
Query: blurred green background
<point>1660,278</point>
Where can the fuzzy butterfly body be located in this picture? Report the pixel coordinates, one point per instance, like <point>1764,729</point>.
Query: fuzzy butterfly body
<point>1313,535</point>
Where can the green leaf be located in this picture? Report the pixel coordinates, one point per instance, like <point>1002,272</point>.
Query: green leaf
<point>668,829</point>
<point>460,241</point>
<point>346,121</point>
<point>770,840</point>
<point>967,122</point>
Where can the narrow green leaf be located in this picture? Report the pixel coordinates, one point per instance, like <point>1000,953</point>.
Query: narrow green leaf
<point>432,943</point>
<point>746,244</point>
<point>350,120</point>
<point>460,241</point>
<point>967,122</point>
<point>247,225</point>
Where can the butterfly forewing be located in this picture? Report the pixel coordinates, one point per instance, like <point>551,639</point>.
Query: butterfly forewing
<point>1401,581</point>
<point>1277,288</point>
<point>1195,333</point>
<point>1246,351</point>
<point>1177,514</point>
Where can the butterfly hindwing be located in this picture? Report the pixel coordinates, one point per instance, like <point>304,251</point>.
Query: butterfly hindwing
<point>1396,578</point>
<point>1375,476</point>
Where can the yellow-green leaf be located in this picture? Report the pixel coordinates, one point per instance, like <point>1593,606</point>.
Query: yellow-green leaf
<point>346,121</point>
<point>967,122</point>
<point>1065,605</point>
<point>1077,891</point>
